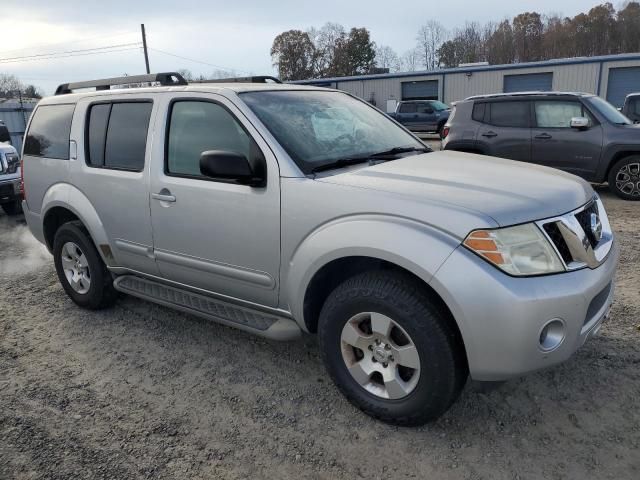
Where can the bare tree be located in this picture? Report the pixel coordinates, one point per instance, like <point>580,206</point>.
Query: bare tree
<point>10,85</point>
<point>430,37</point>
<point>386,57</point>
<point>410,61</point>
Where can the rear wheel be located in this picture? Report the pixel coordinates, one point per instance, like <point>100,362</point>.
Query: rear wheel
<point>12,208</point>
<point>390,349</point>
<point>624,178</point>
<point>80,269</point>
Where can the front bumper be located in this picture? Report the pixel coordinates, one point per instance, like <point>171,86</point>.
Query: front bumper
<point>501,317</point>
<point>9,190</point>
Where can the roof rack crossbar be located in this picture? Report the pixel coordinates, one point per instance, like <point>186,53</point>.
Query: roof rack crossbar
<point>252,79</point>
<point>165,79</point>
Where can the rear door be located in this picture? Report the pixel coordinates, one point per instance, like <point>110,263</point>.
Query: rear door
<point>505,130</point>
<point>555,144</point>
<point>407,114</point>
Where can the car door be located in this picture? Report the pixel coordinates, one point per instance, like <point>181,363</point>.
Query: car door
<point>555,144</point>
<point>427,117</point>
<point>505,131</point>
<point>113,173</point>
<point>408,115</point>
<point>215,235</point>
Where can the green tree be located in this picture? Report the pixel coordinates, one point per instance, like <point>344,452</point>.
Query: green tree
<point>293,54</point>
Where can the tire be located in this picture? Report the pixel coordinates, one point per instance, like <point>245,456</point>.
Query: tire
<point>96,290</point>
<point>628,169</point>
<point>416,317</point>
<point>440,127</point>
<point>12,208</point>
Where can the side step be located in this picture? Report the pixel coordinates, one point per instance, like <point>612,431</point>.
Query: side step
<point>253,321</point>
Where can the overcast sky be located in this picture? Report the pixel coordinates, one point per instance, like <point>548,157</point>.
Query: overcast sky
<point>226,35</point>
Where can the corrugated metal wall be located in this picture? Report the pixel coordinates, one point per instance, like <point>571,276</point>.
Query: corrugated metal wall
<point>15,117</point>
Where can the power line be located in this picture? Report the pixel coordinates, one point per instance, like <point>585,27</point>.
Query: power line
<point>68,51</point>
<point>197,61</point>
<point>73,55</point>
<point>33,47</point>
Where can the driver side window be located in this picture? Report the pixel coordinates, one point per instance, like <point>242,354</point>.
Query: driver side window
<point>198,126</point>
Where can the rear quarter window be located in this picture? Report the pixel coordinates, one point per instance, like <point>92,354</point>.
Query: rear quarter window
<point>48,134</point>
<point>478,112</point>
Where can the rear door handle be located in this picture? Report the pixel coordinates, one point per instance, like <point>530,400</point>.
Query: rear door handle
<point>490,134</point>
<point>163,197</point>
<point>543,136</point>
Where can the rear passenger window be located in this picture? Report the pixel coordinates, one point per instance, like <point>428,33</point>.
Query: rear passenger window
<point>478,112</point>
<point>49,131</point>
<point>408,108</point>
<point>509,114</point>
<point>117,135</point>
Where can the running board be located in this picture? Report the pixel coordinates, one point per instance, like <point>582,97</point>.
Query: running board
<point>249,320</point>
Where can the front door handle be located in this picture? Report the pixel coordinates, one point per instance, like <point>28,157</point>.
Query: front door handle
<point>163,197</point>
<point>543,136</point>
<point>490,134</point>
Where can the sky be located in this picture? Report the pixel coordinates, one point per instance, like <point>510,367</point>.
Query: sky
<point>212,34</point>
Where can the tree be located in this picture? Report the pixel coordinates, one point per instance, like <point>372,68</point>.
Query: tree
<point>293,54</point>
<point>628,27</point>
<point>357,55</point>
<point>10,85</point>
<point>465,47</point>
<point>527,32</point>
<point>499,45</point>
<point>430,37</point>
<point>31,91</point>
<point>386,57</point>
<point>410,60</point>
<point>326,42</point>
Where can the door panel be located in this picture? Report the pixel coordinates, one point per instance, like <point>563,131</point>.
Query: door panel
<point>555,144</point>
<point>217,236</point>
<point>505,131</point>
<point>115,179</point>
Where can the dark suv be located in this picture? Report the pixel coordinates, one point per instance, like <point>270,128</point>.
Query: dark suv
<point>576,132</point>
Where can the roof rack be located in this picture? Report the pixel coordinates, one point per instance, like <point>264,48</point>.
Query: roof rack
<point>165,79</point>
<point>253,79</point>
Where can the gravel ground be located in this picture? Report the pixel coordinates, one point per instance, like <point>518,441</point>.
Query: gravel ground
<point>140,391</point>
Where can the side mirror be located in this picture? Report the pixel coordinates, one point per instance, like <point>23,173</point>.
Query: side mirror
<point>231,166</point>
<point>581,123</point>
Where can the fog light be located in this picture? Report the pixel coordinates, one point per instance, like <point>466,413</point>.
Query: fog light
<point>552,335</point>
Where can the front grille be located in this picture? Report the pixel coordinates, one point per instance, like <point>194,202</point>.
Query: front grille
<point>556,237</point>
<point>584,218</point>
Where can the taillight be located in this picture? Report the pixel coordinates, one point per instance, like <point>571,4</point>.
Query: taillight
<point>445,132</point>
<point>22,192</point>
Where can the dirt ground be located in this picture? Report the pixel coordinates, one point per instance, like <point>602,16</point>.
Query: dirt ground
<point>140,391</point>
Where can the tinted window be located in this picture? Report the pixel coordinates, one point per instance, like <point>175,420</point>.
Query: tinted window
<point>98,119</point>
<point>635,106</point>
<point>509,114</point>
<point>48,134</point>
<point>478,112</point>
<point>408,108</point>
<point>425,108</point>
<point>127,135</point>
<point>557,114</point>
<point>196,127</point>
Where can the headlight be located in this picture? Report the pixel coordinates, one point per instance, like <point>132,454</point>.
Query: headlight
<point>520,250</point>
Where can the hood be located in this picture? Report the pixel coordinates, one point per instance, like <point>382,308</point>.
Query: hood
<point>509,192</point>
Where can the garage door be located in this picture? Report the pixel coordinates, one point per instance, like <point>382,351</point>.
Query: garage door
<point>531,82</point>
<point>622,81</point>
<point>420,90</point>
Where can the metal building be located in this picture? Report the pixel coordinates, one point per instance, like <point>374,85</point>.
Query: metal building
<point>15,115</point>
<point>612,77</point>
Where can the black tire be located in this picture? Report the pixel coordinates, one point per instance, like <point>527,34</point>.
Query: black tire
<point>443,364</point>
<point>618,168</point>
<point>440,127</point>
<point>12,208</point>
<point>101,293</point>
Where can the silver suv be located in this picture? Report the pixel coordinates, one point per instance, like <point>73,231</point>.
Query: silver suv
<point>282,209</point>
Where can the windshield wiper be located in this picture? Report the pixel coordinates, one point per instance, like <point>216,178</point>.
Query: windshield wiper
<point>397,151</point>
<point>343,162</point>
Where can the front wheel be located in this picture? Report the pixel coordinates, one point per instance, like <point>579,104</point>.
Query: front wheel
<point>390,349</point>
<point>624,178</point>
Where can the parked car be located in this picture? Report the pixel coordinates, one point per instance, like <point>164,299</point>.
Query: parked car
<point>631,107</point>
<point>9,174</point>
<point>575,132</point>
<point>246,204</point>
<point>422,115</point>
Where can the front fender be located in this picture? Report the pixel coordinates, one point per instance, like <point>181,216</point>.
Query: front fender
<point>414,246</point>
<point>67,196</point>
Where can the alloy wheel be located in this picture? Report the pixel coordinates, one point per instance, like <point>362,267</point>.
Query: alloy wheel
<point>628,179</point>
<point>75,267</point>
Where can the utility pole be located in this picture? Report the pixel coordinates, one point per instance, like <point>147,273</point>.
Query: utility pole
<point>144,47</point>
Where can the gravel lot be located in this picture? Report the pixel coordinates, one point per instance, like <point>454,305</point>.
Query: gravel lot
<point>140,391</point>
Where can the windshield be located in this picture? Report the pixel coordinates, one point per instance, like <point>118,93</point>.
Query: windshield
<point>609,111</point>
<point>320,128</point>
<point>439,106</point>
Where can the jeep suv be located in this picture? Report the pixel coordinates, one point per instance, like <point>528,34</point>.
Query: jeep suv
<point>281,209</point>
<point>576,132</point>
<point>9,174</point>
